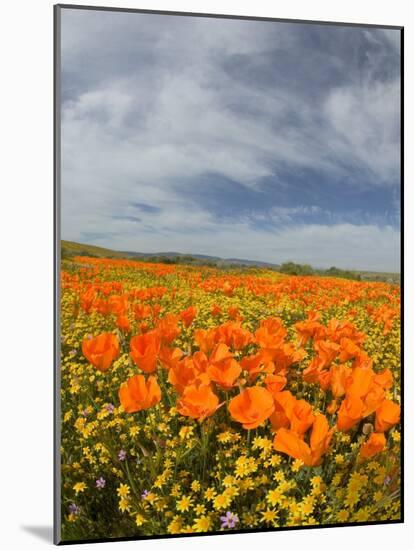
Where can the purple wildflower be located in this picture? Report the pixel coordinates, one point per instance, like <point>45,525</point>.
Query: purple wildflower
<point>387,480</point>
<point>73,509</point>
<point>122,455</point>
<point>144,494</point>
<point>110,408</point>
<point>73,352</point>
<point>100,483</point>
<point>229,520</point>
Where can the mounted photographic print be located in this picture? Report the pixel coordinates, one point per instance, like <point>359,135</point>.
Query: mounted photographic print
<point>228,274</point>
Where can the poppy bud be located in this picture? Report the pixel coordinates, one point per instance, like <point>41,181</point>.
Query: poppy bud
<point>367,428</point>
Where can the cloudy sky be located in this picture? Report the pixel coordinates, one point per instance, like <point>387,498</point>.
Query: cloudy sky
<point>251,139</point>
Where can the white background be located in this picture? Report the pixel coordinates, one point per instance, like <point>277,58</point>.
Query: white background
<point>26,291</point>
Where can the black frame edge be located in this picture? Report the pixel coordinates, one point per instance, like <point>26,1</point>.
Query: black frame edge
<point>56,276</point>
<point>226,16</point>
<point>402,268</point>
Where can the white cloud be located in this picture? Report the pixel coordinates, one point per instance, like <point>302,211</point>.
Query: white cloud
<point>149,112</point>
<point>183,114</point>
<point>365,123</point>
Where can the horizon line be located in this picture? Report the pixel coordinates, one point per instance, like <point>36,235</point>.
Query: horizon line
<point>119,251</point>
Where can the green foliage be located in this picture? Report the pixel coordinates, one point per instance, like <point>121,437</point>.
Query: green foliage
<point>344,274</point>
<point>290,268</point>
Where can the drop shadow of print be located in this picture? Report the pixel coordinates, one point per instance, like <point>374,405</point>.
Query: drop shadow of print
<point>42,532</point>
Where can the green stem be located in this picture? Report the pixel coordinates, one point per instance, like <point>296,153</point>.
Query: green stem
<point>131,481</point>
<point>204,446</point>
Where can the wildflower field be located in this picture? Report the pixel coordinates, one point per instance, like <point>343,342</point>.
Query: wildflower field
<point>199,400</point>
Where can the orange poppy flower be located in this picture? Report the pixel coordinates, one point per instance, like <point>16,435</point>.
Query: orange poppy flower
<point>362,360</point>
<point>313,371</point>
<point>122,322</point>
<point>198,401</point>
<point>283,402</point>
<point>340,375</point>
<point>170,357</point>
<point>271,333</point>
<point>240,337</point>
<point>349,350</point>
<point>156,309</point>
<point>360,382</point>
<point>87,300</point>
<point>200,361</point>
<point>278,418</point>
<point>185,373</point>
<point>168,328</point>
<point>102,307</point>
<point>290,443</point>
<point>118,304</point>
<point>281,357</point>
<point>215,310</point>
<point>233,312</point>
<point>373,399</point>
<point>387,415</point>
<point>145,349</point>
<point>320,438</point>
<point>364,394</point>
<point>228,289</point>
<point>252,407</point>
<point>336,330</point>
<point>298,412</point>
<point>188,315</point>
<point>384,379</point>
<point>224,373</point>
<point>142,311</point>
<point>324,379</point>
<point>223,368</point>
<point>332,407</point>
<point>296,355</point>
<point>310,328</point>
<point>220,353</point>
<point>137,394</point>
<point>254,365</point>
<point>327,351</point>
<point>350,413</point>
<point>205,339</point>
<point>375,444</point>
<point>144,327</point>
<point>275,383</point>
<point>101,350</point>
<point>301,416</point>
<point>232,334</point>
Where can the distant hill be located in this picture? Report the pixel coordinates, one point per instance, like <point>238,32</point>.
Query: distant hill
<point>201,258</point>
<point>70,249</point>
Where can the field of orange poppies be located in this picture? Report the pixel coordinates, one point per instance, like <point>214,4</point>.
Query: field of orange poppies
<point>202,400</point>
